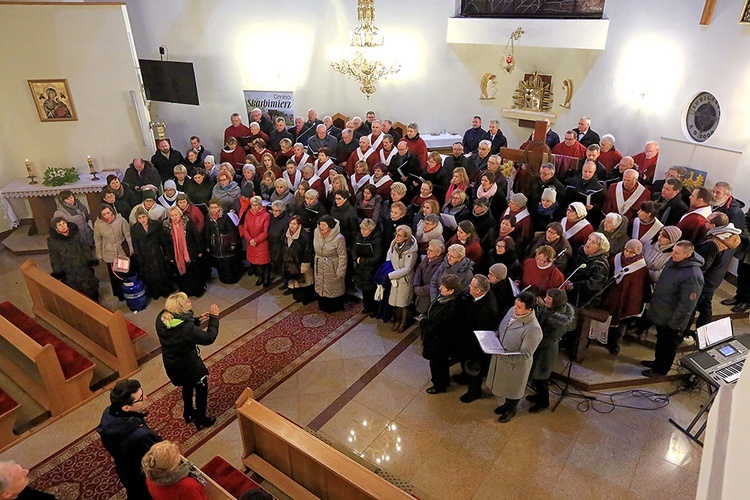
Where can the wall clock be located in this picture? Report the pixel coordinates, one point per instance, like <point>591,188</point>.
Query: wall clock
<point>702,117</point>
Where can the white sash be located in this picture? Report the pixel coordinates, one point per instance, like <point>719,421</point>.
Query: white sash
<point>383,180</point>
<point>364,156</point>
<point>652,231</point>
<point>302,162</point>
<point>327,185</point>
<point>322,170</point>
<point>387,160</point>
<point>358,184</point>
<point>635,266</point>
<point>575,228</point>
<point>519,216</point>
<point>704,211</point>
<point>624,205</point>
<point>313,180</point>
<point>293,183</point>
<point>376,143</point>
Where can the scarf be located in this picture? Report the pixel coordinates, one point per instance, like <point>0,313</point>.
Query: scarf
<point>72,209</point>
<point>400,248</point>
<point>181,255</point>
<point>291,237</point>
<point>546,211</point>
<point>451,188</point>
<point>433,170</point>
<point>481,193</point>
<point>724,232</point>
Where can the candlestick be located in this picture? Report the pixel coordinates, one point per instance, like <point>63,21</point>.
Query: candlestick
<point>92,169</point>
<point>28,171</point>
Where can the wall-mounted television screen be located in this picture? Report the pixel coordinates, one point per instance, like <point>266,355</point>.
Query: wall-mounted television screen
<point>169,81</point>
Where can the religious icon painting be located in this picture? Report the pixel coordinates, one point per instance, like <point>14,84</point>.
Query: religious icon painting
<point>53,100</point>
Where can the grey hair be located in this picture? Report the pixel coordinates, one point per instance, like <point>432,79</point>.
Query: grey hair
<point>588,120</point>
<point>256,110</point>
<point>437,245</point>
<point>482,282</point>
<point>548,166</point>
<point>278,204</point>
<point>255,125</point>
<point>404,229</point>
<point>248,166</point>
<point>603,241</point>
<point>286,141</point>
<point>485,142</point>
<point>725,185</point>
<point>495,122</point>
<point>614,218</point>
<point>413,125</point>
<point>607,137</point>
<point>457,250</point>
<point>320,125</point>
<point>298,144</point>
<point>367,224</point>
<point>311,193</point>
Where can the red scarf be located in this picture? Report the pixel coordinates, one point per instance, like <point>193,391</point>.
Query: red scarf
<point>451,188</point>
<point>432,170</point>
<point>181,255</point>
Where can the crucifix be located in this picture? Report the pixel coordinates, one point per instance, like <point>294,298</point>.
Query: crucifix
<point>535,153</point>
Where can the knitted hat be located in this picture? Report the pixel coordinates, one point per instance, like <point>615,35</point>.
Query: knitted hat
<point>209,159</point>
<point>519,199</point>
<point>579,208</point>
<point>499,271</point>
<point>170,184</point>
<point>149,194</point>
<point>549,194</point>
<point>247,190</point>
<point>674,233</point>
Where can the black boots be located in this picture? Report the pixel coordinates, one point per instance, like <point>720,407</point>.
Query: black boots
<point>264,275</point>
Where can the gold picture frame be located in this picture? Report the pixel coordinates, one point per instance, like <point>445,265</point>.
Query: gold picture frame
<point>745,15</point>
<point>53,100</point>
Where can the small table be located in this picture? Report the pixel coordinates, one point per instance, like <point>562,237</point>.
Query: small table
<point>42,198</point>
<point>441,141</point>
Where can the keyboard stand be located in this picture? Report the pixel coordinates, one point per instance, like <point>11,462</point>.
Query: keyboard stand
<point>688,431</point>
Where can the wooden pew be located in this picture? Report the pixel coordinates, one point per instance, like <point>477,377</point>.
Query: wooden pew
<point>98,330</point>
<point>224,480</point>
<point>298,463</point>
<point>8,410</point>
<point>57,377</point>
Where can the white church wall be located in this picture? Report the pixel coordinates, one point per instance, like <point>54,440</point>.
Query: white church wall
<point>88,45</point>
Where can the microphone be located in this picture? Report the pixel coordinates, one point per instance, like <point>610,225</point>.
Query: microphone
<point>582,266</point>
<point>621,273</point>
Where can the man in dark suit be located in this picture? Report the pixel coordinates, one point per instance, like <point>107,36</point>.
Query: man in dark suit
<point>472,136</point>
<point>672,208</point>
<point>263,119</point>
<point>278,133</point>
<point>480,311</point>
<point>331,128</point>
<point>585,135</point>
<point>165,159</point>
<point>675,171</point>
<point>457,159</point>
<point>388,129</point>
<point>496,137</point>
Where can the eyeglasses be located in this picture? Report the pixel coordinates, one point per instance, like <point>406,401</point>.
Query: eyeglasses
<point>143,395</point>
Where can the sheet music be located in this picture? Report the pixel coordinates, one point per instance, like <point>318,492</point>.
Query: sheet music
<point>714,332</point>
<point>514,288</point>
<point>449,220</point>
<point>490,344</point>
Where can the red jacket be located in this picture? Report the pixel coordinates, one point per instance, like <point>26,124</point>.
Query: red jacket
<point>418,148</point>
<point>255,227</point>
<point>186,487</point>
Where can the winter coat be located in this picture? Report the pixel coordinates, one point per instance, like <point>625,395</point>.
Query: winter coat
<point>255,227</point>
<point>656,259</point>
<point>286,197</point>
<point>617,238</point>
<point>589,281</point>
<point>72,259</point>
<point>717,254</point>
<point>330,263</point>
<point>508,373</point>
<point>298,257</point>
<point>127,437</point>
<point>504,297</point>
<point>309,215</point>
<point>479,314</point>
<point>77,214</point>
<point>403,268</point>
<point>462,269</point>
<point>364,270</point>
<point>110,237</point>
<point>229,198</point>
<point>222,237</point>
<point>148,176</point>
<point>561,246</point>
<point>192,239</point>
<point>277,227</point>
<point>347,217</point>
<point>179,339</point>
<point>153,261</point>
<point>676,293</point>
<point>438,328</point>
<point>554,322</point>
<point>200,194</point>
<point>157,213</point>
<point>421,283</point>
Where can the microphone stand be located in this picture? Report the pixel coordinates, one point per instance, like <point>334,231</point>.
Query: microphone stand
<point>565,390</point>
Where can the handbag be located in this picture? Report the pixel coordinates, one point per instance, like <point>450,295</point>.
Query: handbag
<point>121,264</point>
<point>381,275</point>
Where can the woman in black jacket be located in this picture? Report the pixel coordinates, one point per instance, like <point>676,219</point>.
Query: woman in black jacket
<point>180,336</point>
<point>367,256</point>
<point>298,255</point>
<point>222,239</point>
<point>277,228</point>
<point>148,251</point>
<point>182,241</point>
<point>437,328</point>
<point>72,259</point>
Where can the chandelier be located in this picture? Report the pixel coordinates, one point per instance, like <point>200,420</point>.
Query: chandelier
<point>509,63</point>
<point>363,66</point>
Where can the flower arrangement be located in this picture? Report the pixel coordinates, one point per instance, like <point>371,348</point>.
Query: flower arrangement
<point>57,176</point>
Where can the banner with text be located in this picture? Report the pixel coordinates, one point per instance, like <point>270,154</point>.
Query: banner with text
<point>274,103</point>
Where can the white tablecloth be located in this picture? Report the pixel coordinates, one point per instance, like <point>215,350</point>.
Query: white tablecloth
<point>440,140</point>
<point>20,188</point>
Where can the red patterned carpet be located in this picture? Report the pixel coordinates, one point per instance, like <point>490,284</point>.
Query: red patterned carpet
<point>261,359</point>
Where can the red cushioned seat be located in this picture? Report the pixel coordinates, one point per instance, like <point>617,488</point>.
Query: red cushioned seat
<point>7,403</point>
<point>71,361</point>
<point>228,477</point>
<point>134,332</point>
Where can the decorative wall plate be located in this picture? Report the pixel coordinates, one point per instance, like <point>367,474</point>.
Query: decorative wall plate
<point>702,117</point>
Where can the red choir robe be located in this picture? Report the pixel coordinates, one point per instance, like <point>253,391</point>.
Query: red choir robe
<point>644,232</point>
<point>524,226</point>
<point>376,143</point>
<point>646,167</point>
<point>259,154</point>
<point>626,298</point>
<point>693,224</point>
<point>419,201</point>
<point>316,183</point>
<point>577,150</point>
<point>418,148</point>
<point>610,159</point>
<point>236,157</point>
<point>576,239</point>
<point>540,280</point>
<point>282,158</point>
<point>370,156</point>
<point>383,186</point>
<point>241,130</point>
<point>610,203</point>
<point>357,182</point>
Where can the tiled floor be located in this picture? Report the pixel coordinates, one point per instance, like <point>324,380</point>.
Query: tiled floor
<point>444,448</point>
